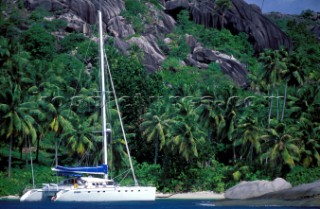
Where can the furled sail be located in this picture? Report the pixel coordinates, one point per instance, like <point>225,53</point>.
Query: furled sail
<point>74,171</point>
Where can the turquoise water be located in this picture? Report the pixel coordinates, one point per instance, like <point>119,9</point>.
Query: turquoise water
<point>158,204</point>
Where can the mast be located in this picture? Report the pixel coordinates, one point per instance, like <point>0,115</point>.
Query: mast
<point>103,94</point>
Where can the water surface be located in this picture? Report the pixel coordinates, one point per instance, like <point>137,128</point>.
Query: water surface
<point>158,204</point>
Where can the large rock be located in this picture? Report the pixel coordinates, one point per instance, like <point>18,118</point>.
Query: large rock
<point>81,13</point>
<point>174,7</point>
<point>241,17</point>
<point>86,10</point>
<point>200,57</point>
<point>153,56</point>
<point>162,22</point>
<point>253,189</point>
<point>298,192</point>
<point>316,31</point>
<point>118,27</point>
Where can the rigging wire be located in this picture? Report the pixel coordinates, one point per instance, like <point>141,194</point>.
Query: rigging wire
<point>120,119</point>
<point>31,162</point>
<point>82,71</point>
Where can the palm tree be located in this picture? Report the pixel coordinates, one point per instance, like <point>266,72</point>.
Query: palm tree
<point>274,64</point>
<point>250,136</point>
<point>208,112</point>
<point>184,140</point>
<point>186,132</point>
<point>16,120</point>
<point>81,138</point>
<point>282,147</point>
<point>293,76</point>
<point>156,126</point>
<point>58,114</point>
<point>309,133</point>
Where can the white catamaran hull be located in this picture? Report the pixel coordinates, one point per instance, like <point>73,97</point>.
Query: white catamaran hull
<point>134,193</point>
<point>38,195</point>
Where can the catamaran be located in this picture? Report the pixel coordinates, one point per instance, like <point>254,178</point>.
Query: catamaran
<point>92,189</point>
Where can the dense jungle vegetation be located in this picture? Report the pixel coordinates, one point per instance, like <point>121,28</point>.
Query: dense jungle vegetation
<point>188,129</point>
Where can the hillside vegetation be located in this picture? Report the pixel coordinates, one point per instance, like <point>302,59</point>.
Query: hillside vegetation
<point>188,129</point>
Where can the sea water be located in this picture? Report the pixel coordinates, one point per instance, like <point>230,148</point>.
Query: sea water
<point>158,204</point>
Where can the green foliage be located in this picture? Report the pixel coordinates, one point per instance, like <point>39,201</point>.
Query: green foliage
<point>133,83</point>
<point>39,42</point>
<point>148,174</point>
<point>135,13</point>
<point>300,34</point>
<point>22,179</point>
<point>302,175</point>
<point>307,13</point>
<point>38,14</point>
<point>70,41</point>
<point>205,133</point>
<point>221,40</point>
<point>55,25</point>
<point>224,4</point>
<point>213,178</point>
<point>178,46</point>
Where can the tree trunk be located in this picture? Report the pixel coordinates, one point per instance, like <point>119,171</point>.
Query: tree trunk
<point>38,148</point>
<point>32,172</point>
<point>10,157</point>
<point>26,154</point>
<point>284,101</point>
<point>156,150</point>
<point>278,104</point>
<point>56,151</point>
<point>251,153</point>
<point>269,114</point>
<point>234,152</point>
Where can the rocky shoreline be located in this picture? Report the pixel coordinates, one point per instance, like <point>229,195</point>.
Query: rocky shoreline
<point>192,195</point>
<point>263,193</point>
<point>259,193</point>
<point>276,192</point>
<point>309,202</point>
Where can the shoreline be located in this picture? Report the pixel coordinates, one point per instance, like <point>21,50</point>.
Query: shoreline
<point>10,197</point>
<point>192,195</point>
<point>188,195</point>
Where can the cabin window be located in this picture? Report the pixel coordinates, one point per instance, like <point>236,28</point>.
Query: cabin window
<point>126,191</point>
<point>118,190</point>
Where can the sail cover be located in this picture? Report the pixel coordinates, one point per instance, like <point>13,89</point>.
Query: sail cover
<point>77,171</point>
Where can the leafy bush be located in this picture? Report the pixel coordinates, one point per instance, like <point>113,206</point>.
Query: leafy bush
<point>69,42</point>
<point>135,12</point>
<point>301,175</point>
<point>22,179</point>
<point>38,14</point>
<point>39,42</point>
<point>178,46</point>
<point>148,174</point>
<point>221,40</point>
<point>211,178</point>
